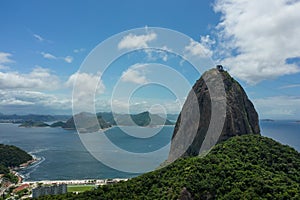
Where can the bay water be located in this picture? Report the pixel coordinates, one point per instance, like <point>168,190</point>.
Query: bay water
<point>62,155</point>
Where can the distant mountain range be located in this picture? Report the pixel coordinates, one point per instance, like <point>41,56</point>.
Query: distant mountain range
<point>86,122</point>
<point>141,119</point>
<point>32,117</point>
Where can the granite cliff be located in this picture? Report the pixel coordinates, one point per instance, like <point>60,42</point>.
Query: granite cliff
<point>209,117</point>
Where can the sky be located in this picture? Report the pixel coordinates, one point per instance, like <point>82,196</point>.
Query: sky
<point>45,45</point>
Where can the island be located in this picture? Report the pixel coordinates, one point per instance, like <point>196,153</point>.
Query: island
<point>29,124</point>
<point>58,124</point>
<point>88,122</point>
<point>267,120</point>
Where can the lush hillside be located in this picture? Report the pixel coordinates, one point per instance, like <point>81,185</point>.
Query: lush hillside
<point>243,167</point>
<point>11,156</point>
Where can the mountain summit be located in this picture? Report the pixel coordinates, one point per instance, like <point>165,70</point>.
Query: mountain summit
<point>216,109</point>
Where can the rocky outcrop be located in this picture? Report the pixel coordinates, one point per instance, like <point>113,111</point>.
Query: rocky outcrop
<point>216,109</point>
<point>86,122</point>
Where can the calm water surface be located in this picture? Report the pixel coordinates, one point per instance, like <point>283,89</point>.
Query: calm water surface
<point>64,157</point>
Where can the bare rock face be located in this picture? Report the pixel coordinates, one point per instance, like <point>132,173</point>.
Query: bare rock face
<point>216,109</point>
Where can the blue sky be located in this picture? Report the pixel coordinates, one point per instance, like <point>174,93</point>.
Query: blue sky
<point>44,43</point>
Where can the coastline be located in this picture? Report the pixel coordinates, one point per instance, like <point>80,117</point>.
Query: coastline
<point>70,182</point>
<point>29,163</point>
<point>78,181</point>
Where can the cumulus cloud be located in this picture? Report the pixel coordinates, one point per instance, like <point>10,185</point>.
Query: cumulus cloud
<point>13,101</point>
<point>154,105</point>
<point>85,88</point>
<point>4,60</point>
<point>38,78</point>
<point>135,74</point>
<point>132,41</point>
<point>67,59</point>
<point>79,50</point>
<point>198,49</point>
<point>155,54</point>
<point>256,37</point>
<point>27,101</point>
<point>278,106</point>
<point>48,56</point>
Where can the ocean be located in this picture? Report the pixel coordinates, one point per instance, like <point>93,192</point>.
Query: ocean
<point>63,156</point>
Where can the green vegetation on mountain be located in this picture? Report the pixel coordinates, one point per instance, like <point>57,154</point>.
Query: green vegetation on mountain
<point>3,169</point>
<point>242,167</point>
<point>12,156</point>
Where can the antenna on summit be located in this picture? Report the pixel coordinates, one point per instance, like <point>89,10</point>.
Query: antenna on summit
<point>220,68</point>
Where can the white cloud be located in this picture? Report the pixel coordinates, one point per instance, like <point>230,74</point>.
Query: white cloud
<point>164,53</point>
<point>155,54</point>
<point>5,59</point>
<point>132,41</point>
<point>79,50</point>
<point>48,56</point>
<point>15,102</point>
<point>256,37</point>
<point>120,106</point>
<point>197,49</point>
<point>278,106</point>
<point>67,59</point>
<point>290,86</point>
<point>27,101</point>
<point>38,78</point>
<point>85,88</point>
<point>135,74</point>
<point>145,104</point>
<point>38,37</point>
<point>86,82</point>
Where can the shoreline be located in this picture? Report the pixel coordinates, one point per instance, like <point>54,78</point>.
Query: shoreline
<point>78,181</point>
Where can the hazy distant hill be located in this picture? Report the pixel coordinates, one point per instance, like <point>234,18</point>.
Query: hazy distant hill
<point>172,117</point>
<point>86,123</point>
<point>58,124</point>
<point>29,124</point>
<point>141,119</point>
<point>32,117</point>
